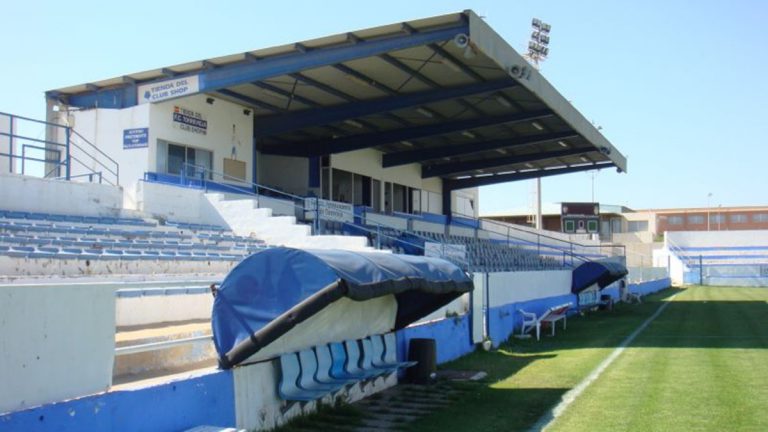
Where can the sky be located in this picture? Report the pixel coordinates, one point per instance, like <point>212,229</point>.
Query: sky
<point>679,87</point>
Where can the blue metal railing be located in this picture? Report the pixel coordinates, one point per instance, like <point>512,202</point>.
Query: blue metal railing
<point>380,235</point>
<point>305,208</point>
<point>58,158</point>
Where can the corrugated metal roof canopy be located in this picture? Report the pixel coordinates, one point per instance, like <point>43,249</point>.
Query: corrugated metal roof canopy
<point>445,92</point>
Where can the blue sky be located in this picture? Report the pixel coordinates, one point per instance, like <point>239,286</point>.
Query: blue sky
<point>680,87</point>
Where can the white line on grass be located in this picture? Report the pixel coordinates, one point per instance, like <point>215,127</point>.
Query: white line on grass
<point>546,420</point>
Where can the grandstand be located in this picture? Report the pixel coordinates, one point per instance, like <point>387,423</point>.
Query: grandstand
<point>727,258</point>
<point>148,203</point>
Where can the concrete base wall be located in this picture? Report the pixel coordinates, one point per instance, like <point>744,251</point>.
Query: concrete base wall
<point>57,342</point>
<point>39,195</point>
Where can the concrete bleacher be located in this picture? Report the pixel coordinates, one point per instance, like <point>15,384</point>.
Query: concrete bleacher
<point>51,241</point>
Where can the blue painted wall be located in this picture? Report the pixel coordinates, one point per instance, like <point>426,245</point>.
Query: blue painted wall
<point>452,336</point>
<point>173,406</point>
<point>503,320</point>
<point>650,287</point>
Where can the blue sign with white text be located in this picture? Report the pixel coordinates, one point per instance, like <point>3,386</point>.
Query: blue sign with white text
<point>135,138</point>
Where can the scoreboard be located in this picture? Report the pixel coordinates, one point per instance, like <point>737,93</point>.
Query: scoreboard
<point>580,218</point>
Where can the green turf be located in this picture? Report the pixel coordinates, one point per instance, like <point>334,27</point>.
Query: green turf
<point>526,377</point>
<point>701,365</point>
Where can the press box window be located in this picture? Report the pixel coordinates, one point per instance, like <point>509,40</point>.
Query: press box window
<point>172,158</point>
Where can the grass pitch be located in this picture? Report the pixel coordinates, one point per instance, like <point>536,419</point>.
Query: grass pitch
<point>701,365</point>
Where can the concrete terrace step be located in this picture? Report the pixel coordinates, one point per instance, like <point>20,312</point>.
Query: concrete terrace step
<point>174,359</point>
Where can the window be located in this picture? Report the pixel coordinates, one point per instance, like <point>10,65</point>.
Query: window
<point>760,217</point>
<point>675,220</point>
<point>637,226</point>
<point>716,218</point>
<point>172,158</point>
<point>739,218</point>
<point>696,219</point>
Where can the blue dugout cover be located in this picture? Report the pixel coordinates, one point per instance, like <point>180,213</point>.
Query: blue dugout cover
<point>273,290</point>
<point>600,272</point>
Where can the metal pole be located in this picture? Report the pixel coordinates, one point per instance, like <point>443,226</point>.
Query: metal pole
<point>10,143</point>
<point>701,269</point>
<point>317,216</point>
<point>69,159</point>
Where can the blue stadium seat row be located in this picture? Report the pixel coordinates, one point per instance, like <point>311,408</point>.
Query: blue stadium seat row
<point>90,230</point>
<point>96,242</point>
<point>122,254</point>
<point>104,220</point>
<point>314,373</point>
<point>195,226</point>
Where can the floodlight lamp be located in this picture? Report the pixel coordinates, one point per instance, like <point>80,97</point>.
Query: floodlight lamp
<point>536,23</point>
<point>546,27</point>
<point>544,39</point>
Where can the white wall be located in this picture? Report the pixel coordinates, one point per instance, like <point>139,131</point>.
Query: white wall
<point>176,203</point>
<point>642,274</point>
<point>104,128</point>
<point>153,309</point>
<point>512,287</point>
<point>718,238</point>
<point>57,342</point>
<point>220,138</point>
<point>34,194</point>
<point>290,174</point>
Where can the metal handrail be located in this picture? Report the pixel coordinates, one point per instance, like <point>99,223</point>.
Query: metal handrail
<point>511,226</point>
<point>116,172</point>
<point>205,176</point>
<point>73,140</point>
<point>203,171</point>
<point>155,346</point>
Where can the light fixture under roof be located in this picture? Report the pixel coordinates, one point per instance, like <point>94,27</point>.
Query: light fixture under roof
<point>501,151</point>
<point>354,123</point>
<point>274,94</point>
<point>425,112</point>
<point>584,158</point>
<point>502,100</point>
<point>563,144</point>
<point>469,134</point>
<point>537,125</point>
<point>529,165</point>
<point>406,143</point>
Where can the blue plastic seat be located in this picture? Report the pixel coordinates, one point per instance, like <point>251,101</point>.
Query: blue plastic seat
<point>368,358</point>
<point>390,352</point>
<point>288,387</point>
<point>309,368</point>
<point>356,362</point>
<point>339,363</point>
<point>327,367</point>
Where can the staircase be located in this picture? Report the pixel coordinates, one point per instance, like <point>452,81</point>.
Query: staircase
<point>245,218</point>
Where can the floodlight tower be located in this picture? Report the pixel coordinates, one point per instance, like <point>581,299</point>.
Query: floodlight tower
<point>538,50</point>
<point>538,45</point>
